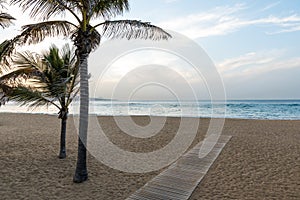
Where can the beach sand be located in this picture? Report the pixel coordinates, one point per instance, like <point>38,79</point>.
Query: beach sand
<point>261,161</point>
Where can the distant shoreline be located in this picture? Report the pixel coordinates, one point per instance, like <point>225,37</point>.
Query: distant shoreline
<point>234,109</point>
<point>226,118</point>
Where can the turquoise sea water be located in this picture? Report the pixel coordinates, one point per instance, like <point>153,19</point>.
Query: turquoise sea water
<point>243,109</point>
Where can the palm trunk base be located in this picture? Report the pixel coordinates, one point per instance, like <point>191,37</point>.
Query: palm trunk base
<point>80,176</point>
<point>81,172</point>
<point>62,155</point>
<point>62,151</point>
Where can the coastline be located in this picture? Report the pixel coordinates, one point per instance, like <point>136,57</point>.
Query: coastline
<point>232,109</point>
<point>259,162</point>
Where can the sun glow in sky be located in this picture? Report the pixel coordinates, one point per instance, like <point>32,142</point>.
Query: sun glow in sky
<point>254,44</point>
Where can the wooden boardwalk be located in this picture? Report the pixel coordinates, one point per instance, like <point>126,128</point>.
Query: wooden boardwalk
<point>180,179</point>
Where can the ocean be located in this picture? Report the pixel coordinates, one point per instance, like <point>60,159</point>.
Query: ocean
<point>241,109</point>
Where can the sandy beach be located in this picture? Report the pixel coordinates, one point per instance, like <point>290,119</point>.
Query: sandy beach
<point>261,161</point>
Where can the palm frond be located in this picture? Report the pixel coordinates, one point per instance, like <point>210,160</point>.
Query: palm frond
<point>28,59</point>
<point>133,29</point>
<point>5,20</point>
<point>22,73</point>
<point>109,8</point>
<point>35,33</point>
<point>28,96</point>
<point>26,65</point>
<point>4,89</point>
<point>6,49</point>
<point>44,9</point>
<point>52,58</point>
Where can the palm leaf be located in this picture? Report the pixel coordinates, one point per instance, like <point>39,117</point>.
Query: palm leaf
<point>4,51</point>
<point>53,59</point>
<point>27,59</point>
<point>44,9</point>
<point>4,48</point>
<point>5,20</point>
<point>109,8</point>
<point>133,29</point>
<point>35,33</point>
<point>26,65</point>
<point>7,47</point>
<point>4,89</point>
<point>30,97</point>
<point>22,73</point>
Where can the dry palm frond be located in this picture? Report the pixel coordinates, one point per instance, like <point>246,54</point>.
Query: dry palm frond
<point>133,29</point>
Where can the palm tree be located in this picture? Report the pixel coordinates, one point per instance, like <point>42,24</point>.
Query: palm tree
<point>51,79</point>
<point>85,38</point>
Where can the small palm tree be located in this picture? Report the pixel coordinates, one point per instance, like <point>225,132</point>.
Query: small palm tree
<point>51,79</point>
<point>86,38</point>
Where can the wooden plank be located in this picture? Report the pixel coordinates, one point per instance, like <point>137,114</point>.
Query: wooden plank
<point>180,179</point>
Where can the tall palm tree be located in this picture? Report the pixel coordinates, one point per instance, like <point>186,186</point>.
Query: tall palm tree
<point>86,38</point>
<point>51,79</point>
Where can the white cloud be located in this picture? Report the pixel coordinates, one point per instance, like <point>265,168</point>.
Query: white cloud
<point>264,74</point>
<point>170,1</point>
<point>224,20</point>
<point>270,6</point>
<point>215,22</point>
<point>256,63</point>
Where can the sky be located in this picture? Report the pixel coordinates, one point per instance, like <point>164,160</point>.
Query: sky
<point>253,44</point>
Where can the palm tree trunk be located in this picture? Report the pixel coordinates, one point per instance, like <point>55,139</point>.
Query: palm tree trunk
<point>81,173</point>
<point>62,152</point>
